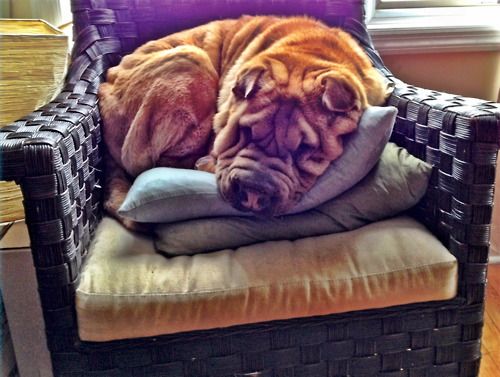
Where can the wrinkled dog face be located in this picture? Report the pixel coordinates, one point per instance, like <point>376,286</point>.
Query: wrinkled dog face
<point>277,137</point>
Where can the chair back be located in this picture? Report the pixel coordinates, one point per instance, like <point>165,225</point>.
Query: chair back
<point>105,30</point>
<point>133,22</point>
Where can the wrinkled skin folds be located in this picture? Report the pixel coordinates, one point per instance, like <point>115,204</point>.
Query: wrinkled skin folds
<point>264,102</point>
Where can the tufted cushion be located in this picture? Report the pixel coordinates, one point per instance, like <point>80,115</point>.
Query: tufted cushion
<point>127,290</point>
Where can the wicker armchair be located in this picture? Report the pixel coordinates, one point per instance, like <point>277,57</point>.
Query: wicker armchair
<point>55,154</point>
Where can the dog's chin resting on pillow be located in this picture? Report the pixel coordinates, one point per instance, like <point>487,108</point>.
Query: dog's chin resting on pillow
<point>264,102</point>
<point>167,195</point>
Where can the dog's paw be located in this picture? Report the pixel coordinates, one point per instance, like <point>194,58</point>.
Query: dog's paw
<point>134,226</point>
<point>111,207</point>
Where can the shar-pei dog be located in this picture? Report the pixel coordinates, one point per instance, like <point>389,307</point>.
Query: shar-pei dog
<point>261,101</point>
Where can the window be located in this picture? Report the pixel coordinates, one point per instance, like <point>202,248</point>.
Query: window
<point>406,26</point>
<point>391,4</point>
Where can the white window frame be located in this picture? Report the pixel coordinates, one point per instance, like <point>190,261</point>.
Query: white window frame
<point>391,4</point>
<point>434,29</point>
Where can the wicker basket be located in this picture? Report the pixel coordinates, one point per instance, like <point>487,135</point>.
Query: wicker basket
<point>33,59</point>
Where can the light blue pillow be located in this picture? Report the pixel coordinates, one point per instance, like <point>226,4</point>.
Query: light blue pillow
<point>396,183</point>
<point>164,195</point>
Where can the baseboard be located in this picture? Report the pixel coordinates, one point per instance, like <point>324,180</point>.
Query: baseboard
<point>494,259</point>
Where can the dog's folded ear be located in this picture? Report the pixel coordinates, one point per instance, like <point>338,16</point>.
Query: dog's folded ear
<point>248,83</point>
<point>206,163</point>
<point>338,94</point>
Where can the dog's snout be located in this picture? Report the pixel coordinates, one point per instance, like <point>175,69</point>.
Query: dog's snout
<point>251,196</point>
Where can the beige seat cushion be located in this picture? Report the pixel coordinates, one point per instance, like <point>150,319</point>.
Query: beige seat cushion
<point>128,290</point>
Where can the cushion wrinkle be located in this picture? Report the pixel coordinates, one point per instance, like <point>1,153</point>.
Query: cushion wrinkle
<point>291,283</point>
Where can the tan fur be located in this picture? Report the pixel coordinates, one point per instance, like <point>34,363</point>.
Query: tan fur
<point>266,98</point>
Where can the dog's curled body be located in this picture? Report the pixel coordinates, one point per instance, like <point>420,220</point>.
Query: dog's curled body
<point>267,98</point>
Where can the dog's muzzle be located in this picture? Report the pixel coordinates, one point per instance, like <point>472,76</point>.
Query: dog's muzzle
<point>252,191</point>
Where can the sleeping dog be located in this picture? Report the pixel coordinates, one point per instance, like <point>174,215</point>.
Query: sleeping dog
<point>261,101</point>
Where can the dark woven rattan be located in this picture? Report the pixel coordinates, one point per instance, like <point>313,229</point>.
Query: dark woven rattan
<point>55,155</point>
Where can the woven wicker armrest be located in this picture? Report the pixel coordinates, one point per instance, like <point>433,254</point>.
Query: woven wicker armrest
<point>53,153</point>
<point>460,137</point>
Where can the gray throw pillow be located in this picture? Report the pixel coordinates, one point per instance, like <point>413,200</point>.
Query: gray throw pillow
<point>163,195</point>
<point>396,183</point>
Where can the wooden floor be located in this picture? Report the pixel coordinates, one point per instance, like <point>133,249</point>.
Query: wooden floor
<point>490,365</point>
